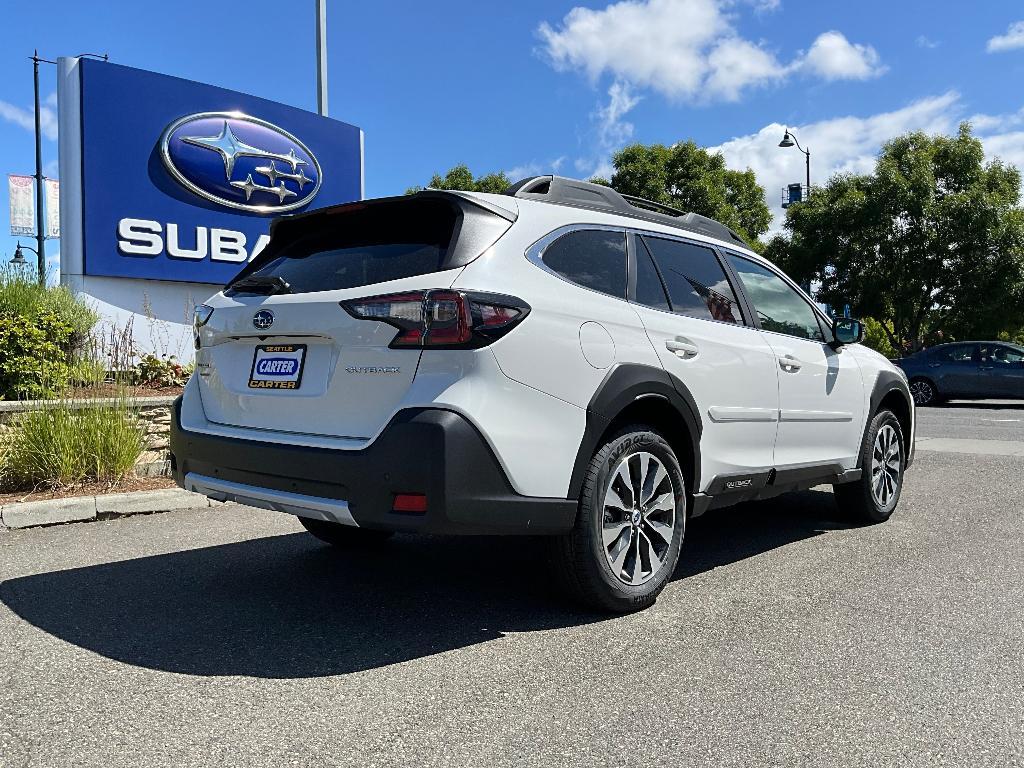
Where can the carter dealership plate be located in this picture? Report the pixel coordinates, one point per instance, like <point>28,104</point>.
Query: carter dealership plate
<point>277,366</point>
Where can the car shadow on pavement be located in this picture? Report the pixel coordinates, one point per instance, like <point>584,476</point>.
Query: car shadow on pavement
<point>289,607</point>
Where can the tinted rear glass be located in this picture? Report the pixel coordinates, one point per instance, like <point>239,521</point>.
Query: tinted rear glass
<point>594,258</point>
<point>361,246</point>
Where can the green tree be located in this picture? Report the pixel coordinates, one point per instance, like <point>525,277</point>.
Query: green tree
<point>461,178</point>
<point>931,244</point>
<point>691,178</point>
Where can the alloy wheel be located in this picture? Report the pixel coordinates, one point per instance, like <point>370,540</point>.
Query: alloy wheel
<point>886,465</point>
<point>922,392</point>
<point>639,518</point>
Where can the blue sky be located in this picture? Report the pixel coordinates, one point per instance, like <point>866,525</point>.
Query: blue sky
<point>531,87</point>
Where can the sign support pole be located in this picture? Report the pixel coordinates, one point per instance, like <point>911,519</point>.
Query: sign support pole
<point>40,234</point>
<point>321,57</point>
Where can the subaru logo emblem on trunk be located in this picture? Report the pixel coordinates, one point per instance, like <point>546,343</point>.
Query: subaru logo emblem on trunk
<point>240,162</point>
<point>263,319</point>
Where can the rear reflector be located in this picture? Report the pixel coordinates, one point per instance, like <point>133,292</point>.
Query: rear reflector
<point>410,503</point>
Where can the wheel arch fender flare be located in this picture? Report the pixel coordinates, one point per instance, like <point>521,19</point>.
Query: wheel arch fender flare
<point>890,385</point>
<point>625,386</point>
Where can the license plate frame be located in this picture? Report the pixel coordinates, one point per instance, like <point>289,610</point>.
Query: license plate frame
<point>274,381</point>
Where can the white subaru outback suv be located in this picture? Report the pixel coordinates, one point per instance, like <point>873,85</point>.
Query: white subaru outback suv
<point>560,361</point>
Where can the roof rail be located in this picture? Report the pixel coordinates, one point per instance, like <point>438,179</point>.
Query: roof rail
<point>586,194</point>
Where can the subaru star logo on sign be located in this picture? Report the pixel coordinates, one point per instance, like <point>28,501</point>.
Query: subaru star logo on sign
<point>180,181</point>
<point>240,162</point>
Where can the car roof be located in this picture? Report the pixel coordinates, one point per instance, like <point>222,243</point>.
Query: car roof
<point>599,214</point>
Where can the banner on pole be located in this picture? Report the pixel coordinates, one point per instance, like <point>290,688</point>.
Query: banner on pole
<point>23,207</point>
<point>52,188</point>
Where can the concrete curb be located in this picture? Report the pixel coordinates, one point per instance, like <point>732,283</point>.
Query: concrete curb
<point>20,406</point>
<point>31,514</point>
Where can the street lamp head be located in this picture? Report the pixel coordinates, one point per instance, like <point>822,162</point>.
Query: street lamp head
<point>787,140</point>
<point>19,257</point>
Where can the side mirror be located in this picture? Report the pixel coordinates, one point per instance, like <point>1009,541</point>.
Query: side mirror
<point>846,330</point>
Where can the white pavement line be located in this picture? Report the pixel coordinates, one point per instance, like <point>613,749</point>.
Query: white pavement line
<point>971,445</point>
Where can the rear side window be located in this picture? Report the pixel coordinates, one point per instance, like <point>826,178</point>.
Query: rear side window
<point>360,246</point>
<point>697,285</point>
<point>593,258</point>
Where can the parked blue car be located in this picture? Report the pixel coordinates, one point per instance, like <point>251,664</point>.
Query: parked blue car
<point>966,370</point>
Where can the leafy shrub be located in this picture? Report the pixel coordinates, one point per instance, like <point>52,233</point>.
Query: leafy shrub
<point>33,362</point>
<point>62,445</point>
<point>41,331</point>
<point>153,371</point>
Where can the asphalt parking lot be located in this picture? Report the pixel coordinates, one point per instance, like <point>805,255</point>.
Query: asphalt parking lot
<point>226,636</point>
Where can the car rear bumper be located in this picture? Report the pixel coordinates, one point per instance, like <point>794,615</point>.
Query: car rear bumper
<point>422,451</point>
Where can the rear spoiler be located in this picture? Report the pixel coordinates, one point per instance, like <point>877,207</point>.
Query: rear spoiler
<point>469,241</point>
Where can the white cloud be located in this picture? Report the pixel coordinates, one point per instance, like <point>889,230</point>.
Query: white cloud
<point>1008,147</point>
<point>1014,38</point>
<point>535,168</point>
<point>841,144</point>
<point>833,57</point>
<point>610,130</point>
<point>851,144</point>
<point>689,49</point>
<point>25,118</point>
<point>923,41</point>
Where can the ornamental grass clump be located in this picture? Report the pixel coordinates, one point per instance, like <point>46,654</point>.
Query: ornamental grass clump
<point>70,443</point>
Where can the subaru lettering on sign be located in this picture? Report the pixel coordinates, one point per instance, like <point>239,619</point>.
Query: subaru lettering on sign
<point>240,162</point>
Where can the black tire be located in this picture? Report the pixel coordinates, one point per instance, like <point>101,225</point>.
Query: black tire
<point>924,392</point>
<point>861,500</point>
<point>583,561</point>
<point>344,536</point>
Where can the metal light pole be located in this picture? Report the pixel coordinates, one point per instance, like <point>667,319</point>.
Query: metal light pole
<point>40,234</point>
<point>321,57</point>
<point>789,140</point>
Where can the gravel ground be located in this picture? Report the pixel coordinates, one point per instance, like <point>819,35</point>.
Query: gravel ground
<point>226,636</point>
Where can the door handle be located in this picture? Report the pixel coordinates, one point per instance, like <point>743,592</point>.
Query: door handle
<point>682,347</point>
<point>985,367</point>
<point>934,365</point>
<point>790,364</point>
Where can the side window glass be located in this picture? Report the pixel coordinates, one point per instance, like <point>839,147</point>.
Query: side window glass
<point>961,353</point>
<point>697,285</point>
<point>593,258</point>
<point>649,290</point>
<point>1001,356</point>
<point>779,307</point>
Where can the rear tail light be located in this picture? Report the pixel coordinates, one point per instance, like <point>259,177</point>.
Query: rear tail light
<point>442,319</point>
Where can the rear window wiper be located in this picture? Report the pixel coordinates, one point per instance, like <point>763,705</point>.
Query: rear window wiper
<point>266,285</point>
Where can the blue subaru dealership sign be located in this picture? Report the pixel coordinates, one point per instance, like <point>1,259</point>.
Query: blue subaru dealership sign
<point>181,180</point>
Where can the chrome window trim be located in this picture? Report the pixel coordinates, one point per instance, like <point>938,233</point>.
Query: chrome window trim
<point>535,253</point>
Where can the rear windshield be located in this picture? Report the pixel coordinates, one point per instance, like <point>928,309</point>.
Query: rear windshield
<point>358,246</point>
